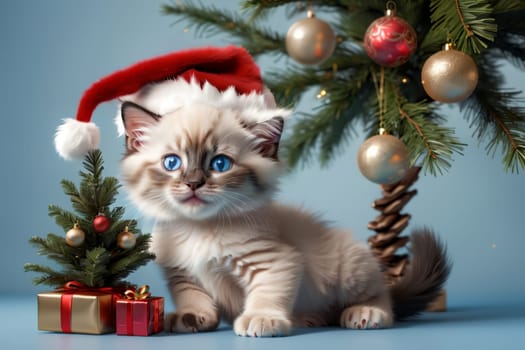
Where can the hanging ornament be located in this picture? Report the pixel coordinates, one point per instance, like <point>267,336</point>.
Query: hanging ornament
<point>449,75</point>
<point>310,40</point>
<point>383,159</point>
<point>75,237</point>
<point>389,40</point>
<point>101,223</point>
<point>126,239</point>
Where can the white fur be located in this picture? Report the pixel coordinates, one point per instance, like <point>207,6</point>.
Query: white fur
<point>74,139</point>
<point>168,96</point>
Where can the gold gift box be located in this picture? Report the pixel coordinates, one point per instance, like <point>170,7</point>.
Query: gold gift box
<point>91,312</point>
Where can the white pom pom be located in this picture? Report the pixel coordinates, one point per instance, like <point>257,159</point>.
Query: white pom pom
<point>74,139</point>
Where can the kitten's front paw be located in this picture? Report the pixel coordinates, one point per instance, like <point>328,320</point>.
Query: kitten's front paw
<point>365,317</point>
<point>191,321</point>
<point>250,325</point>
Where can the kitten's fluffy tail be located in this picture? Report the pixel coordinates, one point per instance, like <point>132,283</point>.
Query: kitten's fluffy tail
<point>423,278</point>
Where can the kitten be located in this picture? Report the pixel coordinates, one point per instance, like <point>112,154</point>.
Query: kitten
<point>228,251</point>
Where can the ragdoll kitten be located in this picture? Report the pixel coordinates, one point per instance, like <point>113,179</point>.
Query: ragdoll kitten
<point>228,251</point>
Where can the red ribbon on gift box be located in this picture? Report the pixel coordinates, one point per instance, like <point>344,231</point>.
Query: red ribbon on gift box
<point>66,300</point>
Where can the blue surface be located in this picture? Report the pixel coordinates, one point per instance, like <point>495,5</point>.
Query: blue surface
<point>462,327</point>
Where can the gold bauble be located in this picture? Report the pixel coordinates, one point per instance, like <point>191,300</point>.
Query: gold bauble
<point>75,237</point>
<point>383,159</point>
<point>310,40</point>
<point>449,75</point>
<point>126,239</point>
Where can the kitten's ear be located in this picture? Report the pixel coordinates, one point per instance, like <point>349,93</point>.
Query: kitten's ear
<point>268,135</point>
<point>136,120</point>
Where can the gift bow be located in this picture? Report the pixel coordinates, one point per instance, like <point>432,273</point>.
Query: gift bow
<point>139,294</point>
<point>76,286</point>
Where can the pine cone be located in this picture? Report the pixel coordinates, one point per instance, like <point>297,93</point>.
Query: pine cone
<point>391,223</point>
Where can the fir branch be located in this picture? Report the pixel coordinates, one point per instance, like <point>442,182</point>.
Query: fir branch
<point>63,218</point>
<point>470,23</point>
<point>95,267</point>
<point>107,192</point>
<point>422,136</point>
<point>332,123</point>
<point>131,259</point>
<point>510,47</point>
<point>49,276</point>
<point>209,21</point>
<point>496,116</point>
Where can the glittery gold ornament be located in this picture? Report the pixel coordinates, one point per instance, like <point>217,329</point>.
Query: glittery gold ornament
<point>383,159</point>
<point>75,237</point>
<point>126,239</point>
<point>310,40</point>
<point>449,75</point>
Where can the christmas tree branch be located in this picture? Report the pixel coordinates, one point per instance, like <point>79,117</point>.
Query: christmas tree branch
<point>95,267</point>
<point>421,134</point>
<point>469,23</point>
<point>333,121</point>
<point>49,276</point>
<point>132,259</point>
<point>209,20</point>
<point>496,116</point>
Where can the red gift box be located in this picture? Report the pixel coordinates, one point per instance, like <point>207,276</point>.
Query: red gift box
<point>140,316</point>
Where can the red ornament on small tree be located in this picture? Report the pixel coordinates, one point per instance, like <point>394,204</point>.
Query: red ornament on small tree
<point>390,40</point>
<point>101,223</point>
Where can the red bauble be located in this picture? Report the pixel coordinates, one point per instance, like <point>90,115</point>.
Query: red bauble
<point>390,40</point>
<point>101,223</point>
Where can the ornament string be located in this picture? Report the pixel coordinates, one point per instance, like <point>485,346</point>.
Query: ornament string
<point>380,91</point>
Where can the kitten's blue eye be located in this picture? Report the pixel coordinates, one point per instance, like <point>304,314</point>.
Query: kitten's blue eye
<point>172,162</point>
<point>221,163</point>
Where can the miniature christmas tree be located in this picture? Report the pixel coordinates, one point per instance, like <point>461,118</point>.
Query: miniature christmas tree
<point>100,248</point>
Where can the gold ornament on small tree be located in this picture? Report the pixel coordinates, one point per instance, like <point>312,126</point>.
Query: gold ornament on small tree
<point>75,237</point>
<point>310,40</point>
<point>449,75</point>
<point>126,239</point>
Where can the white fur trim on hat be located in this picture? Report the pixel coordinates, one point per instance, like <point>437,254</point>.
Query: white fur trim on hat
<point>168,96</point>
<point>74,139</point>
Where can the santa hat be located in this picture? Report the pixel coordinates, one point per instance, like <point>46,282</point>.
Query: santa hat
<point>222,77</point>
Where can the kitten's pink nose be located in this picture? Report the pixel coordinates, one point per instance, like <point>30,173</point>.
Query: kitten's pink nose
<point>194,184</point>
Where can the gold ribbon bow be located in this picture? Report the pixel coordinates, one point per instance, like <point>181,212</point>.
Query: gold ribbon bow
<point>139,294</point>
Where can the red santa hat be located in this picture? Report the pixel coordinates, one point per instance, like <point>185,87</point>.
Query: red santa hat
<point>222,77</point>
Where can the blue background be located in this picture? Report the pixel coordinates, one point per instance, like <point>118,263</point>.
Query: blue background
<point>53,50</point>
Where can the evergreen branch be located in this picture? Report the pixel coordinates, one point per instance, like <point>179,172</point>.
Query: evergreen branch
<point>63,218</point>
<point>209,20</point>
<point>54,248</point>
<point>510,47</point>
<point>107,192</point>
<point>94,164</point>
<point>69,188</point>
<point>288,86</point>
<point>422,136</point>
<point>49,276</point>
<point>469,23</point>
<point>507,5</point>
<point>496,116</point>
<point>131,259</point>
<point>95,267</point>
<point>332,122</point>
